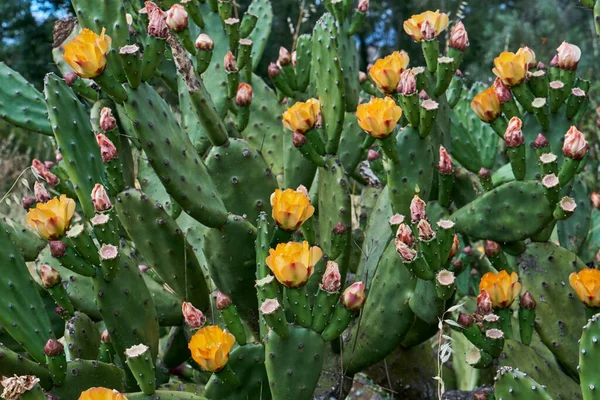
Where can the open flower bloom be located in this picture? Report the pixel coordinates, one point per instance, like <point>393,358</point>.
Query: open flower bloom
<point>486,105</point>
<point>501,287</point>
<point>100,393</point>
<point>378,117</point>
<point>290,208</point>
<point>386,71</point>
<point>293,263</point>
<point>52,219</point>
<point>210,347</point>
<point>86,53</point>
<point>511,67</point>
<point>586,283</point>
<point>302,116</point>
<point>437,20</point>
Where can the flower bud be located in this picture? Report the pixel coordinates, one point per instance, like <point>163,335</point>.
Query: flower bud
<point>575,145</point>
<point>445,164</point>
<point>514,136</point>
<point>243,97</point>
<point>454,248</point>
<point>204,42</point>
<point>427,31</point>
<point>223,301</point>
<point>107,121</point>
<point>363,6</point>
<point>108,151</point>
<point>294,58</point>
<point>285,58</point>
<point>408,83</point>
<point>193,317</point>
<point>405,235</point>
<point>458,37</point>
<point>49,276</point>
<point>423,95</point>
<point>229,62</point>
<point>105,337</point>
<point>406,253</point>
<point>527,301</point>
<point>465,320</point>
<point>373,155</point>
<point>70,78</point>
<point>353,297</point>
<point>595,197</point>
<point>41,194</point>
<point>298,139</point>
<point>58,156</point>
<point>540,142</point>
<point>491,248</point>
<point>425,231</point>
<point>57,248</point>
<point>529,56</point>
<point>28,202</point>
<point>157,25</point>
<point>49,164</point>
<point>568,56</point>
<point>486,105</point>
<point>273,70</point>
<point>481,395</point>
<point>332,280</point>
<point>484,303</point>
<point>417,209</point>
<point>100,198</point>
<point>339,229</point>
<point>177,18</point>
<point>53,348</point>
<point>502,91</point>
<point>457,265</point>
<point>362,77</point>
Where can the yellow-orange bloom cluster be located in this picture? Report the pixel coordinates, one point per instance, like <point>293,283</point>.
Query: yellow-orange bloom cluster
<point>501,287</point>
<point>86,53</point>
<point>293,263</point>
<point>210,347</point>
<point>385,73</point>
<point>302,116</point>
<point>378,117</point>
<point>486,105</point>
<point>511,68</point>
<point>586,284</point>
<point>101,393</point>
<point>436,21</point>
<point>291,208</point>
<point>52,219</point>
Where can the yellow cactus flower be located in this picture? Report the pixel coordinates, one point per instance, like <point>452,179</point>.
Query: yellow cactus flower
<point>52,219</point>
<point>302,116</point>
<point>293,263</point>
<point>501,287</point>
<point>433,21</point>
<point>529,56</point>
<point>486,105</point>
<point>586,283</point>
<point>386,71</point>
<point>210,347</point>
<point>378,117</point>
<point>290,208</point>
<point>86,53</point>
<point>100,393</point>
<point>511,68</point>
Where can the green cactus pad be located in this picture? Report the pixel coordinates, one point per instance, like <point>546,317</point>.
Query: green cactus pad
<point>297,169</point>
<point>28,243</point>
<point>165,395</point>
<point>303,60</point>
<point>350,151</point>
<point>573,231</point>
<point>513,384</point>
<point>349,59</point>
<point>589,359</point>
<point>260,34</point>
<point>82,337</point>
<point>12,363</point>
<point>84,374</point>
<point>189,119</point>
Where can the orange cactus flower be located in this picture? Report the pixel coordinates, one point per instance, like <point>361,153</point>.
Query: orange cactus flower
<point>501,287</point>
<point>293,263</point>
<point>435,20</point>
<point>486,105</point>
<point>302,116</point>
<point>86,53</point>
<point>210,347</point>
<point>291,208</point>
<point>586,283</point>
<point>378,117</point>
<point>100,393</point>
<point>52,219</point>
<point>386,71</point>
<point>511,68</point>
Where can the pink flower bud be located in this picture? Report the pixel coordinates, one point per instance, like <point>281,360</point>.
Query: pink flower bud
<point>285,57</point>
<point>362,77</point>
<point>568,56</point>
<point>243,97</point>
<point>595,197</point>
<point>363,6</point>
<point>229,62</point>
<point>193,317</point>
<point>417,209</point>
<point>57,248</point>
<point>454,248</point>
<point>100,198</point>
<point>554,61</point>
<point>177,18</point>
<point>491,248</point>
<point>302,189</point>
<point>28,202</point>
<point>406,253</point>
<point>49,276</point>
<point>339,229</point>
<point>372,155</point>
<point>41,171</point>
<point>143,268</point>
<point>425,231</point>
<point>70,78</point>
<point>294,58</point>
<point>105,337</point>
<point>540,142</point>
<point>157,25</point>
<point>204,42</point>
<point>298,139</point>
<point>458,37</point>
<point>575,145</point>
<point>465,320</point>
<point>427,31</point>
<point>502,91</point>
<point>514,136</point>
<point>108,151</point>
<point>58,156</point>
<point>484,303</point>
<point>273,70</point>
<point>445,164</point>
<point>223,301</point>
<point>527,301</point>
<point>353,297</point>
<point>41,194</point>
<point>50,164</point>
<point>423,95</point>
<point>332,280</point>
<point>408,83</point>
<point>53,348</point>
<point>107,121</point>
<point>405,235</point>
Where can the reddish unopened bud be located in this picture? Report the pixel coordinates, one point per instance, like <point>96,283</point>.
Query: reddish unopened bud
<point>458,73</point>
<point>465,320</point>
<point>107,121</point>
<point>53,348</point>
<point>554,61</point>
<point>49,276</point>
<point>540,142</point>
<point>417,209</point>
<point>407,84</point>
<point>405,235</point>
<point>339,229</point>
<point>332,280</point>
<point>100,198</point>
<point>41,171</point>
<point>502,91</point>
<point>527,301</point>
<point>425,231</point>
<point>143,268</point>
<point>70,78</point>
<point>363,6</point>
<point>229,62</point>
<point>467,250</point>
<point>58,156</point>
<point>40,192</point>
<point>568,56</point>
<point>60,311</point>
<point>427,31</point>
<point>575,145</point>
<point>105,337</point>
<point>273,70</point>
<point>406,253</point>
<point>372,155</point>
<point>458,37</point>
<point>481,395</point>
<point>223,301</point>
<point>50,164</point>
<point>423,95</point>
<point>454,248</point>
<point>353,297</point>
<point>204,42</point>
<point>445,164</point>
<point>57,248</point>
<point>298,139</point>
<point>177,18</point>
<point>484,173</point>
<point>108,151</point>
<point>243,97</point>
<point>491,248</point>
<point>541,66</point>
<point>28,202</point>
<point>362,77</point>
<point>193,317</point>
<point>595,197</point>
<point>514,136</point>
<point>157,25</point>
<point>285,58</point>
<point>457,264</point>
<point>484,303</point>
